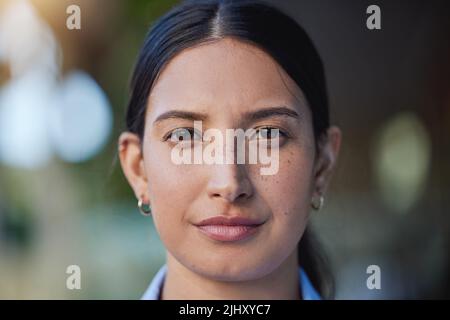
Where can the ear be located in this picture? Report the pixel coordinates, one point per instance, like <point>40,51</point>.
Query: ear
<point>132,162</point>
<point>327,154</point>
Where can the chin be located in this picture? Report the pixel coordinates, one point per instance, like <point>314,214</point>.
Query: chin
<point>232,270</point>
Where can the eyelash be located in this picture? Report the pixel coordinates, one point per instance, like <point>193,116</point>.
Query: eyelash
<point>189,129</point>
<point>282,133</point>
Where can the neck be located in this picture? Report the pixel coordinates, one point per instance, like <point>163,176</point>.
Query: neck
<point>182,283</point>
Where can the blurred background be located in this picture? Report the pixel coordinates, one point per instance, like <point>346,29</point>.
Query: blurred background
<point>65,201</point>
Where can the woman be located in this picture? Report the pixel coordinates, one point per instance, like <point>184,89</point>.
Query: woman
<point>231,232</point>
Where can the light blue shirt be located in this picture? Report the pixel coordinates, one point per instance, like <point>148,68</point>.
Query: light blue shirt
<point>154,289</point>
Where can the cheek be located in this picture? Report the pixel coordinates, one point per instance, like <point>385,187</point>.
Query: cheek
<point>295,178</point>
<point>171,189</point>
<point>288,192</point>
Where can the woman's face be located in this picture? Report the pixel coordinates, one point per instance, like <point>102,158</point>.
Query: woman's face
<point>226,84</point>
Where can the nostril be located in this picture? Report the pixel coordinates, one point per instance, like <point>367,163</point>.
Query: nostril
<point>243,195</point>
<point>230,187</point>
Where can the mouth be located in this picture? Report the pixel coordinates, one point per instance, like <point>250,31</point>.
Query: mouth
<point>228,229</point>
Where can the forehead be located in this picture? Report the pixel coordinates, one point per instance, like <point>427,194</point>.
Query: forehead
<point>227,75</point>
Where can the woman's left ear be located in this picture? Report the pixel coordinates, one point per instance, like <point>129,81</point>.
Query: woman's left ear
<point>328,150</point>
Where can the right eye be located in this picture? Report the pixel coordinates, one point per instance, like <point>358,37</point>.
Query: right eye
<point>184,134</point>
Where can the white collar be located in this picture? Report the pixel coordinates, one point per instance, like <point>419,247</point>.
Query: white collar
<point>154,289</point>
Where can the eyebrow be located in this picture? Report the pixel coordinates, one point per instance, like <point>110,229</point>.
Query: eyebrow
<point>271,112</point>
<point>178,114</point>
<point>252,115</point>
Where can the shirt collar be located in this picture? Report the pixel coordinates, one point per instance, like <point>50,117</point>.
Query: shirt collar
<point>154,289</point>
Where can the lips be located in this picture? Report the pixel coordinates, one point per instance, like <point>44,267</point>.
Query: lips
<point>227,229</point>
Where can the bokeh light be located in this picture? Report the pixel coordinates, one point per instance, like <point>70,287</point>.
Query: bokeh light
<point>80,118</point>
<point>402,161</point>
<point>43,112</point>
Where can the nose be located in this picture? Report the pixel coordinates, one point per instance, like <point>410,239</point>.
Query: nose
<point>230,183</point>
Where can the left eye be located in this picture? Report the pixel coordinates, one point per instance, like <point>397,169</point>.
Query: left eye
<point>268,133</point>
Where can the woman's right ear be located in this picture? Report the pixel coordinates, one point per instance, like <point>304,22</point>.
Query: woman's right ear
<point>132,163</point>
